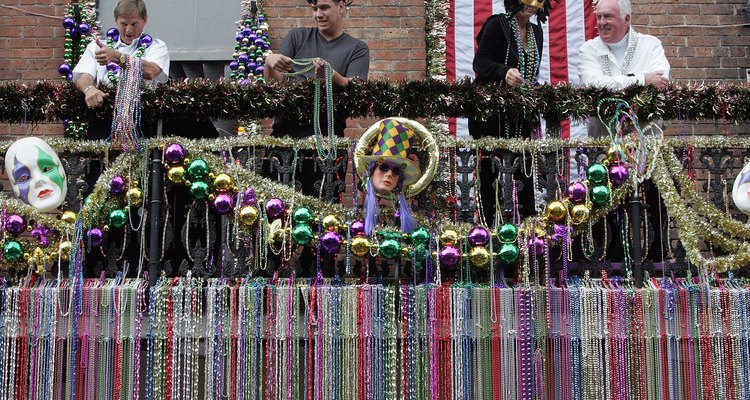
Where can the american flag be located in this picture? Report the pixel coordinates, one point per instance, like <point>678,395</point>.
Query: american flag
<point>570,24</point>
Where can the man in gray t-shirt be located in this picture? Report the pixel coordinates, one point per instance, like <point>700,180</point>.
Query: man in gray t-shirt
<point>349,58</point>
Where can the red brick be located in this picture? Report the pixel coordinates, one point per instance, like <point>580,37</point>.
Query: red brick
<point>717,9</point>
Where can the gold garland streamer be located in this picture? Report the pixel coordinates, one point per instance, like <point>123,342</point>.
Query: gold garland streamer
<point>690,227</point>
<point>713,214</point>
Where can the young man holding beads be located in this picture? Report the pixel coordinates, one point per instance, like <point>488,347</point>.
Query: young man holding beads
<point>100,58</point>
<point>328,43</point>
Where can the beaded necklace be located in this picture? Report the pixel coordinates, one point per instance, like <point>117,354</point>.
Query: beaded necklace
<point>528,57</point>
<point>113,35</point>
<point>324,154</point>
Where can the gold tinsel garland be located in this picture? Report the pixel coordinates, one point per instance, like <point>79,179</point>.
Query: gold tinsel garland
<point>690,228</point>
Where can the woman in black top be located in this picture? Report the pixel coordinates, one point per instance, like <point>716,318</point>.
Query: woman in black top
<point>510,50</point>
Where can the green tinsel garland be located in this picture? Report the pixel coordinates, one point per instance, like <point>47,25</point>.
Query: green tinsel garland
<point>48,101</point>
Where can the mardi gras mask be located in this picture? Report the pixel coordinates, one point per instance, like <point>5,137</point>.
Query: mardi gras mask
<point>741,190</point>
<point>36,173</point>
<point>534,3</point>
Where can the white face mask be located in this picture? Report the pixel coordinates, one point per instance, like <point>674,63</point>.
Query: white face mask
<point>36,173</point>
<point>741,190</point>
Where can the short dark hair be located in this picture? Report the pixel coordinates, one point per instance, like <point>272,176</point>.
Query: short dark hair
<point>512,7</point>
<point>129,7</point>
<point>346,2</point>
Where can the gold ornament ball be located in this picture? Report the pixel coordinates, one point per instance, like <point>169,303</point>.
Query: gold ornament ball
<point>248,215</point>
<point>579,213</point>
<point>69,217</point>
<point>135,196</point>
<point>448,236</point>
<point>64,249</point>
<point>479,257</point>
<point>176,174</point>
<point>360,246</point>
<point>556,211</point>
<point>331,222</point>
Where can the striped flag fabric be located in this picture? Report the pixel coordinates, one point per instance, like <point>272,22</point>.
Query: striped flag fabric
<point>570,24</point>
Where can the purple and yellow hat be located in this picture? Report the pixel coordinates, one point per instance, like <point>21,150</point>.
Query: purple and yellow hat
<point>394,144</point>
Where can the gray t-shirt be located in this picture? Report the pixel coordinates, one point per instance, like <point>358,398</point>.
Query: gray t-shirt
<point>348,56</point>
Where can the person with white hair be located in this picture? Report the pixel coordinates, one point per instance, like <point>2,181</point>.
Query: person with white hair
<point>620,57</point>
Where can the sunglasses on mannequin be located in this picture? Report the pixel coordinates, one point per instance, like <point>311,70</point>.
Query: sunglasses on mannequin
<point>385,167</point>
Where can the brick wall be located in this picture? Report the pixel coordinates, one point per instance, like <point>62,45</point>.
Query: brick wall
<point>701,40</point>
<point>31,48</point>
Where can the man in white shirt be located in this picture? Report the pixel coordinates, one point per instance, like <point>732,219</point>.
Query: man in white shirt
<point>130,19</point>
<point>620,56</point>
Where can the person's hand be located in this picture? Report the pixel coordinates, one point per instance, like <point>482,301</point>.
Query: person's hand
<point>94,97</point>
<point>279,62</point>
<point>513,77</point>
<point>104,55</point>
<point>657,79</point>
<point>320,67</point>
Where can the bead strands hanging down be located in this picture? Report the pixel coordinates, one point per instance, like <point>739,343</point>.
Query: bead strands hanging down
<point>325,154</point>
<point>113,35</point>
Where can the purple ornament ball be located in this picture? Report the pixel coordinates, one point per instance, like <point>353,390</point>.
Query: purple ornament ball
<point>251,65</point>
<point>113,34</point>
<point>69,77</point>
<point>223,204</point>
<point>239,37</point>
<point>258,42</point>
<point>259,70</point>
<point>479,236</point>
<point>74,33</point>
<point>330,242</point>
<point>69,23</point>
<point>15,224</point>
<point>113,67</point>
<point>84,28</point>
<point>95,237</point>
<point>275,207</point>
<point>618,174</point>
<point>242,58</point>
<point>117,185</point>
<point>449,257</point>
<point>357,227</point>
<point>234,65</point>
<point>252,36</point>
<point>174,153</point>
<point>146,40</point>
<point>577,192</point>
<point>64,69</point>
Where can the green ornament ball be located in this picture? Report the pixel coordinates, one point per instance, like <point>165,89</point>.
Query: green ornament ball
<point>597,174</point>
<point>117,218</point>
<point>389,248</point>
<point>508,253</point>
<point>600,195</point>
<point>302,235</point>
<point>420,237</point>
<point>302,216</point>
<point>507,233</point>
<point>199,190</point>
<point>12,251</point>
<point>198,170</point>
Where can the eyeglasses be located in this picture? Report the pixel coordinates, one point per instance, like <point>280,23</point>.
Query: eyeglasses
<point>395,169</point>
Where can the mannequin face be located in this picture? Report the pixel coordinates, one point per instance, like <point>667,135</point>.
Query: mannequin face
<point>386,176</point>
<point>36,173</point>
<point>741,190</point>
